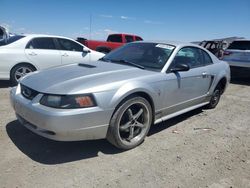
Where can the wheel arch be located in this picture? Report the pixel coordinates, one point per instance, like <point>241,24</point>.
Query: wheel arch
<point>222,83</point>
<point>22,63</point>
<point>13,68</point>
<point>221,76</point>
<point>142,94</point>
<point>130,90</point>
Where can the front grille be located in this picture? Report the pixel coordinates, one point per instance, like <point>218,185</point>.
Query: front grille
<point>28,93</point>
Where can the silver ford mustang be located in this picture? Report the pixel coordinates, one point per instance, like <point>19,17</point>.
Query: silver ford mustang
<point>122,94</point>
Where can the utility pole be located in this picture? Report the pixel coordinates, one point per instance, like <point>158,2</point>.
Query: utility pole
<point>90,25</point>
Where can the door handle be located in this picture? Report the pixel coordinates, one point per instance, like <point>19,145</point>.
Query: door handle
<point>65,55</point>
<point>32,53</point>
<point>204,75</point>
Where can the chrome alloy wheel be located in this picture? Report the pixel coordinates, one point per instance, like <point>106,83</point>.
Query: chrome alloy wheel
<point>134,123</point>
<point>21,71</point>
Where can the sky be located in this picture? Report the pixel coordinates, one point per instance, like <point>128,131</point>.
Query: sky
<point>180,20</point>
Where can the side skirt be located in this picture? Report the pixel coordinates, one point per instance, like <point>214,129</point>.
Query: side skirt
<point>169,116</point>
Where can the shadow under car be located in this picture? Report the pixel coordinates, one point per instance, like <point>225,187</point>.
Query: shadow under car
<point>52,152</point>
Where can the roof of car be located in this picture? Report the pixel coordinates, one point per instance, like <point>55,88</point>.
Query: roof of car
<point>124,34</point>
<point>242,40</point>
<point>43,35</point>
<point>174,43</point>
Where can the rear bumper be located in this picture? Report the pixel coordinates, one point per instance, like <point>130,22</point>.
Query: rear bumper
<point>60,124</point>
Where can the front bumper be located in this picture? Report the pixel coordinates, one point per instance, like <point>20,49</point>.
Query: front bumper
<point>60,124</point>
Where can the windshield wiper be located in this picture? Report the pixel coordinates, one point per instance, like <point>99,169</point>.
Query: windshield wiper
<point>128,62</point>
<point>104,59</point>
<point>122,61</point>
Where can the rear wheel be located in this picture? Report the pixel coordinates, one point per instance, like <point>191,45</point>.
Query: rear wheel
<point>130,123</point>
<point>215,98</point>
<point>19,71</point>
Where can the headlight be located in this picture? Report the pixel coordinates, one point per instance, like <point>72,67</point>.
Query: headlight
<point>68,101</point>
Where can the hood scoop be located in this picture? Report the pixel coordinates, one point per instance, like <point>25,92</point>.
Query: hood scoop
<point>86,65</point>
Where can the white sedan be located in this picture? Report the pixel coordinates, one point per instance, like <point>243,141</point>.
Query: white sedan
<point>23,54</point>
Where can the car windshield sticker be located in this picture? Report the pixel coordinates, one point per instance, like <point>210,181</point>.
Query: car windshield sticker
<point>165,46</point>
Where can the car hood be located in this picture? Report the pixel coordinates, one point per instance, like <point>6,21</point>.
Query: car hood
<point>83,78</point>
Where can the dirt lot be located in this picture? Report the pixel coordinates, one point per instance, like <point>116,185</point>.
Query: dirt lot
<point>175,154</point>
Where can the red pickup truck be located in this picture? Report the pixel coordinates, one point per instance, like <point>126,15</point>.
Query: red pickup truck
<point>113,41</point>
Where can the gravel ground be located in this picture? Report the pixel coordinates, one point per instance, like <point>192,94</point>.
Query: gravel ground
<point>176,153</point>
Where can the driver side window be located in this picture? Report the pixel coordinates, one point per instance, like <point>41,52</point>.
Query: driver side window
<point>188,55</point>
<point>69,45</point>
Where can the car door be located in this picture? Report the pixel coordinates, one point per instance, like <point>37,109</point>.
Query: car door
<point>186,88</point>
<point>72,52</point>
<point>42,52</point>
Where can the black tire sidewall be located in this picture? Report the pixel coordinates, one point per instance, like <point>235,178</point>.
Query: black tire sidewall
<point>12,73</point>
<point>211,105</point>
<point>113,132</point>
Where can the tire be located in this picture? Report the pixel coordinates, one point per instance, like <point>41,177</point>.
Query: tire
<point>215,98</point>
<point>19,71</point>
<point>130,123</point>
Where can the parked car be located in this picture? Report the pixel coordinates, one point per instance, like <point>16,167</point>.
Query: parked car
<point>113,41</point>
<point>4,34</point>
<point>238,54</point>
<point>215,46</point>
<point>22,54</point>
<point>122,94</point>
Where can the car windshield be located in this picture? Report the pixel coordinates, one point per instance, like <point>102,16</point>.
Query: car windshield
<point>151,56</point>
<point>11,40</point>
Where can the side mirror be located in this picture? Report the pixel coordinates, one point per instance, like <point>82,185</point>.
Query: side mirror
<point>180,67</point>
<point>86,50</point>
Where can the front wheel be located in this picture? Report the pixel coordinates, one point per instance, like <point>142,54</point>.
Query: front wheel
<point>130,123</point>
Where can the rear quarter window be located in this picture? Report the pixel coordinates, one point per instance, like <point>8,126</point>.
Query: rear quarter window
<point>206,58</point>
